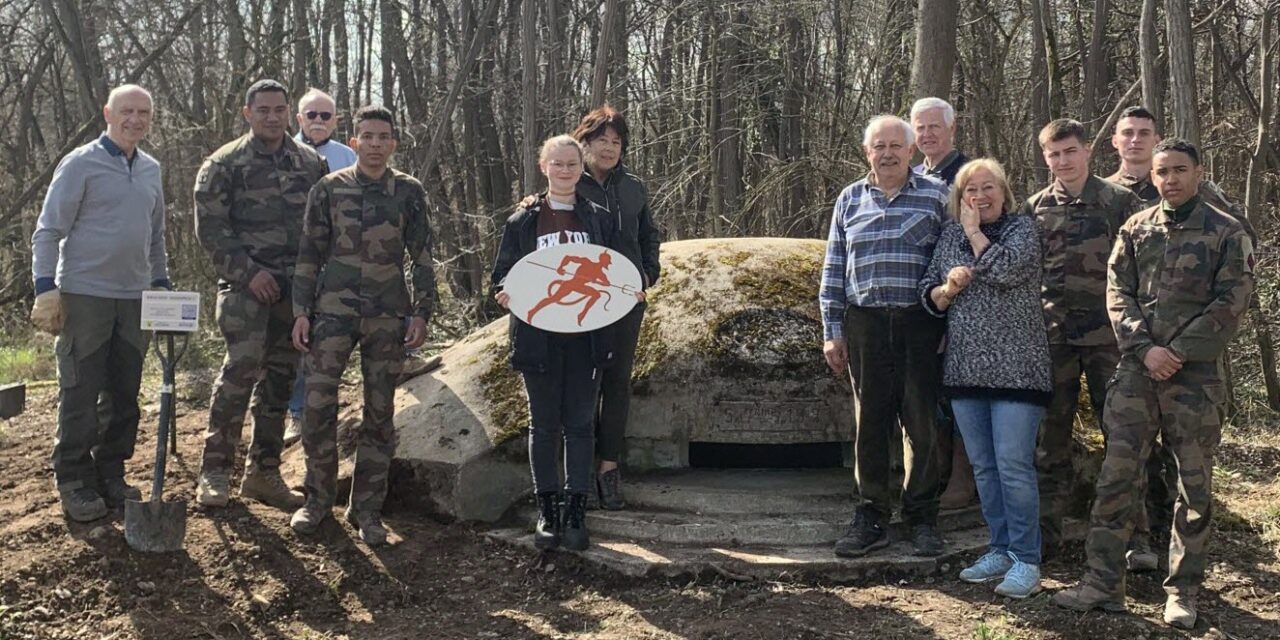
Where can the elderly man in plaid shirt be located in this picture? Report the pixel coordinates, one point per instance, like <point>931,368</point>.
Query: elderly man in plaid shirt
<point>882,236</point>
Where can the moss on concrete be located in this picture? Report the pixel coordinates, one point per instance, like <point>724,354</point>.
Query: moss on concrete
<point>735,259</point>
<point>790,281</point>
<point>504,396</point>
<point>651,350</point>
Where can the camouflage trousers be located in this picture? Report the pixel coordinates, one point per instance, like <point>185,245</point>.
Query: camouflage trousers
<point>1184,411</point>
<point>260,366</point>
<point>381,343</point>
<point>1053,453</point>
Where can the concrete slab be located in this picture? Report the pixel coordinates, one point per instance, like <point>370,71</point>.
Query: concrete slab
<point>686,528</point>
<point>764,562</point>
<point>746,491</point>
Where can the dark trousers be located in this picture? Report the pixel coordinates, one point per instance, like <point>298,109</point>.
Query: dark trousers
<point>100,351</point>
<point>615,387</point>
<point>893,362</point>
<point>562,407</point>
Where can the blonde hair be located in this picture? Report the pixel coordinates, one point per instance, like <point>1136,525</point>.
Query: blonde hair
<point>555,142</point>
<point>966,174</point>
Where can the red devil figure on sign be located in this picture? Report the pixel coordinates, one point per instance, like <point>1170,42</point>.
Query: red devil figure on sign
<point>572,288</point>
<point>579,282</point>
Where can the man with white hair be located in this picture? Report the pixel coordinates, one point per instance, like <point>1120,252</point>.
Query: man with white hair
<point>882,235</point>
<point>98,244</point>
<point>317,120</point>
<point>934,123</point>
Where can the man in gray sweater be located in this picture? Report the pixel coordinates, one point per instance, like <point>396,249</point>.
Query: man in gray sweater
<point>99,242</point>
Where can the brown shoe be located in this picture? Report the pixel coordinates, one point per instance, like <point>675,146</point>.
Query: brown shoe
<point>266,486</point>
<point>1083,597</point>
<point>961,489</point>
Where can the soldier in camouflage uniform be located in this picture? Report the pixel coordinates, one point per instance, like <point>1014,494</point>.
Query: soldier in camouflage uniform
<point>349,288</point>
<point>249,199</point>
<point>1136,135</point>
<point>1180,278</point>
<point>1078,216</point>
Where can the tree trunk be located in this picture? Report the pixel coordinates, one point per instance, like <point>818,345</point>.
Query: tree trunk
<point>341,56</point>
<point>600,80</point>
<point>529,85</point>
<point>1148,52</point>
<point>1039,86</point>
<point>301,47</point>
<point>1095,67</point>
<point>1182,70</point>
<point>935,52</point>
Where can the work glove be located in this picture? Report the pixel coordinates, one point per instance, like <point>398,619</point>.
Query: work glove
<point>46,314</point>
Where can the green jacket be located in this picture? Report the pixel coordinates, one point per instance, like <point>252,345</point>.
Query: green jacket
<point>355,238</point>
<point>1181,282</point>
<point>249,207</point>
<point>1076,236</point>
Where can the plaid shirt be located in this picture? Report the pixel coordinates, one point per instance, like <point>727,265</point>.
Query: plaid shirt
<point>878,249</point>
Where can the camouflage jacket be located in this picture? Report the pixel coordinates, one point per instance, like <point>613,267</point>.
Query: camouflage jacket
<point>355,237</point>
<point>1076,236</point>
<point>249,207</point>
<point>1179,284</point>
<point>1210,192</point>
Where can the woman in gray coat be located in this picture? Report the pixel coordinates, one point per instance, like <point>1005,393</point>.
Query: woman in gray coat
<point>985,279</point>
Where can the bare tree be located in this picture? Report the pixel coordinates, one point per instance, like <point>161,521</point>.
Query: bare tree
<point>935,53</point>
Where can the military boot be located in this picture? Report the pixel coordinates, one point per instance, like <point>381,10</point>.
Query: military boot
<point>1180,612</point>
<point>1140,556</point>
<point>369,524</point>
<point>307,520</point>
<point>83,504</point>
<point>1083,597</point>
<point>214,489</point>
<point>115,491</point>
<point>266,486</point>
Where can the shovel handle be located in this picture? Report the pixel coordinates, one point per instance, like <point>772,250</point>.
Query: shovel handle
<point>168,361</point>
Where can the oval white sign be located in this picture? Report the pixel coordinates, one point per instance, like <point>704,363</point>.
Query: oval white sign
<point>572,288</point>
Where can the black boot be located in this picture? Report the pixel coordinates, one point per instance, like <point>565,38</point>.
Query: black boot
<point>573,528</point>
<point>547,534</point>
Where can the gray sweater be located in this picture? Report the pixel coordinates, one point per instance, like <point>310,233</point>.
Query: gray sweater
<point>997,345</point>
<point>102,225</point>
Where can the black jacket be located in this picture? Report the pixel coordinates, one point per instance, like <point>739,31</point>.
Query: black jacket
<point>626,198</point>
<point>529,344</point>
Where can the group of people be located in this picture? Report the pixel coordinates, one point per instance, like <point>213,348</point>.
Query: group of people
<point>941,297</point>
<point>939,286</point>
<point>309,239</point>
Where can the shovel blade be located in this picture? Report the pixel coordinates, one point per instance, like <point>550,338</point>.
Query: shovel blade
<point>155,527</point>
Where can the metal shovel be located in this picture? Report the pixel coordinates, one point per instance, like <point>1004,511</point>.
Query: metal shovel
<point>158,526</point>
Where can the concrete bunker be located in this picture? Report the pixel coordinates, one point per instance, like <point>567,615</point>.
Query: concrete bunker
<point>729,373</point>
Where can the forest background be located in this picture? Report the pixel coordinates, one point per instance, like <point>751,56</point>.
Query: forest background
<point>746,116</point>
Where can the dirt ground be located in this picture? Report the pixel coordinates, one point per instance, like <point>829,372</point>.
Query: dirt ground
<point>245,575</point>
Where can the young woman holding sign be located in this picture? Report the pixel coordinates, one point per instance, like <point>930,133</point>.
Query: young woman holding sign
<point>561,371</point>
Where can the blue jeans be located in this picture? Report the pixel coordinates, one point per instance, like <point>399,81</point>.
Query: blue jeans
<point>1000,438</point>
<point>299,394</point>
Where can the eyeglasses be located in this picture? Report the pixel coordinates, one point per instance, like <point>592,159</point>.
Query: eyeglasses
<point>323,115</point>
